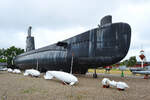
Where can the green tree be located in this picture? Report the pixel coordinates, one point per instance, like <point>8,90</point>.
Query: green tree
<point>2,57</point>
<point>114,65</point>
<point>11,53</point>
<point>132,61</point>
<point>125,62</point>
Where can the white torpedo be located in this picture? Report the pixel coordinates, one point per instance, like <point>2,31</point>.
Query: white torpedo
<point>63,76</point>
<point>32,72</point>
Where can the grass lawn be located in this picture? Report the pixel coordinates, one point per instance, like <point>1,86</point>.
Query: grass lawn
<point>113,71</point>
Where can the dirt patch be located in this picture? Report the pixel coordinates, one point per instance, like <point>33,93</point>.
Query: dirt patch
<point>19,87</point>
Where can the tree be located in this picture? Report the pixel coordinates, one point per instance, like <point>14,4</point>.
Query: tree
<point>132,61</point>
<point>11,53</point>
<point>2,57</point>
<point>124,63</point>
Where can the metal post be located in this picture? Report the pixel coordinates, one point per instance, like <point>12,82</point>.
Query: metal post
<point>71,63</point>
<point>95,75</point>
<point>37,65</point>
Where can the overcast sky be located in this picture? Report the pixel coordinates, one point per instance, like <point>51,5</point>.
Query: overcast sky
<point>55,20</point>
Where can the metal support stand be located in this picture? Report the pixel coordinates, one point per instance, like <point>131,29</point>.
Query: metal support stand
<point>71,64</point>
<point>37,64</point>
<point>95,74</point>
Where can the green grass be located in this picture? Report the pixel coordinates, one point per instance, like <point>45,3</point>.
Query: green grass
<point>30,90</point>
<point>113,71</point>
<point>33,90</point>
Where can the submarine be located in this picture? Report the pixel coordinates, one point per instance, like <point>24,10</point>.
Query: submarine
<point>104,45</point>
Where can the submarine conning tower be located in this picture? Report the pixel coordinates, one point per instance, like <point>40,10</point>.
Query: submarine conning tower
<point>106,20</point>
<point>30,41</point>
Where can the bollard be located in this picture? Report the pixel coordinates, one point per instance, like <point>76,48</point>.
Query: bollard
<point>122,74</point>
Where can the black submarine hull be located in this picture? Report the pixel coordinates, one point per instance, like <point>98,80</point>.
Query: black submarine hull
<point>98,47</point>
